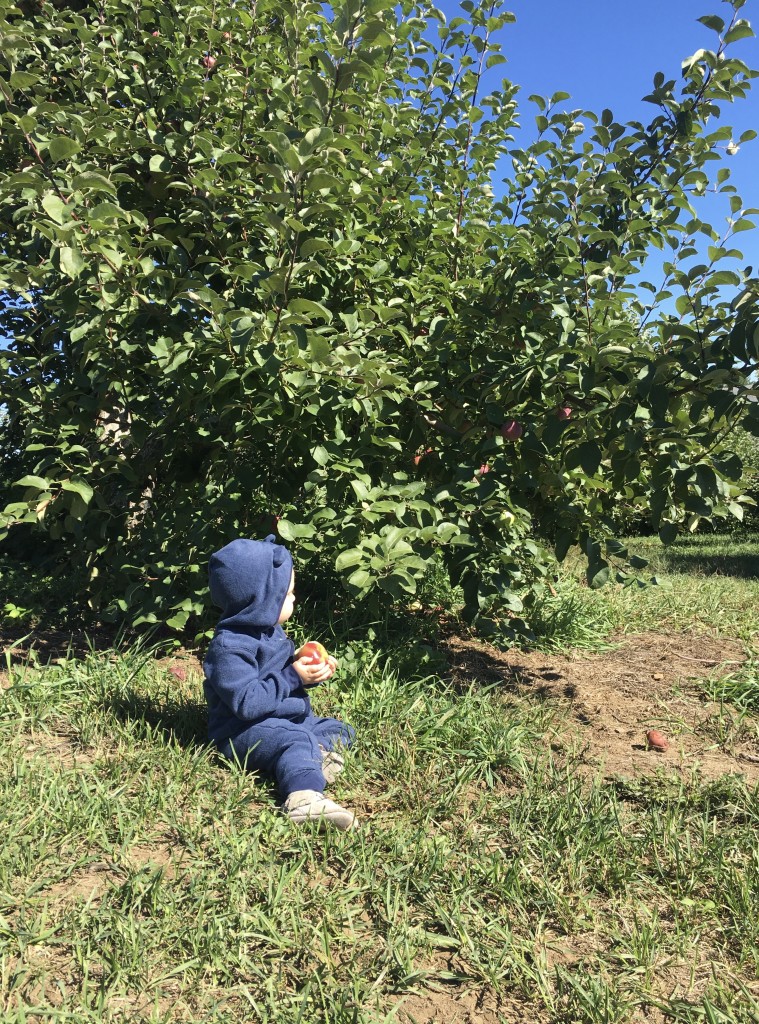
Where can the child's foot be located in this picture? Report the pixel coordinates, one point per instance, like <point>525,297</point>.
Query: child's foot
<point>308,805</point>
<point>332,764</point>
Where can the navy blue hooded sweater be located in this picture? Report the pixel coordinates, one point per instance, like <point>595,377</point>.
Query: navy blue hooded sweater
<point>248,667</point>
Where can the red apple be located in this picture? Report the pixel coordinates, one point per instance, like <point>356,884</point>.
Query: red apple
<point>484,468</point>
<point>226,36</point>
<point>656,740</point>
<point>313,652</point>
<point>155,33</point>
<point>563,412</point>
<point>209,61</point>
<point>511,430</point>
<point>418,458</point>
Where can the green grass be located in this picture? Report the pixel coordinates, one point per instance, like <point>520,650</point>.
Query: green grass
<point>710,582</point>
<point>143,880</point>
<point>706,584</point>
<point>140,879</point>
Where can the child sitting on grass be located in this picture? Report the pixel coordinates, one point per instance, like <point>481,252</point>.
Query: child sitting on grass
<point>258,710</point>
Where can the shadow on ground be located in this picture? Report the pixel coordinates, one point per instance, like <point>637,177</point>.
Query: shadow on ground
<point>474,663</point>
<point>42,644</point>
<point>183,721</point>
<point>740,566</point>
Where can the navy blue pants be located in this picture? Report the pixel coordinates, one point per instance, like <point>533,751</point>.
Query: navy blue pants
<point>289,752</point>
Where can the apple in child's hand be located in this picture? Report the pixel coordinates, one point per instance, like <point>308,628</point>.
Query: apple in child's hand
<point>313,652</point>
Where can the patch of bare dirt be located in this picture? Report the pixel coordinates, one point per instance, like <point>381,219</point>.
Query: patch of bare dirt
<point>455,1004</point>
<point>156,856</point>
<point>568,950</point>
<point>89,881</point>
<point>614,697</point>
<point>61,748</point>
<point>184,666</point>
<point>85,883</point>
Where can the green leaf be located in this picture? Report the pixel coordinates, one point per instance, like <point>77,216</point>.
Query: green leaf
<point>32,481</point>
<point>346,559</point>
<point>159,162</point>
<point>712,21</point>
<point>72,263</point>
<point>23,80</point>
<point>321,350</point>
<point>62,148</point>
<point>309,308</point>
<point>587,455</point>
<point>107,211</point>
<point>294,531</point>
<point>54,207</point>
<point>312,245</point>
<point>243,331</point>
<point>94,181</point>
<point>314,138</point>
<point>564,540</point>
<point>78,485</point>
<point>668,533</point>
<point>722,277</point>
<point>598,574</point>
<point>360,579</point>
<point>393,585</point>
<point>741,30</point>
<point>744,224</point>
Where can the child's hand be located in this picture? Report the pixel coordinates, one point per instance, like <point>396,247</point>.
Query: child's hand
<point>312,674</point>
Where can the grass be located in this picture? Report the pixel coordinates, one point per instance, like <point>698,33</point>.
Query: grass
<point>706,584</point>
<point>711,582</point>
<point>142,880</point>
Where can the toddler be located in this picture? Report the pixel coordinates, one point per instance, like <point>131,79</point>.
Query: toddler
<point>258,710</point>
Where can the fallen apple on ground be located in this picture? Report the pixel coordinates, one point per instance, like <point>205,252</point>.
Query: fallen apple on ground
<point>656,740</point>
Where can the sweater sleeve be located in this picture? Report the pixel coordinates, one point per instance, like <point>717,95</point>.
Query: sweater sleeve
<point>234,675</point>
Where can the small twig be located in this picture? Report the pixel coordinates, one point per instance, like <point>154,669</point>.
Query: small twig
<point>749,757</point>
<point>707,661</point>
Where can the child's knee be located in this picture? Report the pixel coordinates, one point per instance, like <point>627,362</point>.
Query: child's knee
<point>334,733</point>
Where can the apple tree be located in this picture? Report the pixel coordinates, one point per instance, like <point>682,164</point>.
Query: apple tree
<point>283,265</point>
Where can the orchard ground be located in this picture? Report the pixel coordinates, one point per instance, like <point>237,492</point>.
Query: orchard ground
<point>523,855</point>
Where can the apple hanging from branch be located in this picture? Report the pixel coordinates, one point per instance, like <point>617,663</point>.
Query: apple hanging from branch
<point>511,430</point>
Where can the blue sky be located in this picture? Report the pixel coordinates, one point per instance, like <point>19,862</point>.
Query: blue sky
<point>605,54</point>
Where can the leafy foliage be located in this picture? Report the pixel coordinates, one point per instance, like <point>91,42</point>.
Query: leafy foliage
<point>265,274</point>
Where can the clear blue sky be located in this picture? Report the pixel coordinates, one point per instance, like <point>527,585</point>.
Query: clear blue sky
<point>605,54</point>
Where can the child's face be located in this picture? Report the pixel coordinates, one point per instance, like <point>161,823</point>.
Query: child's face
<point>289,602</point>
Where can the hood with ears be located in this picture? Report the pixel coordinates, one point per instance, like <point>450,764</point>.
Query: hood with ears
<point>249,580</point>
